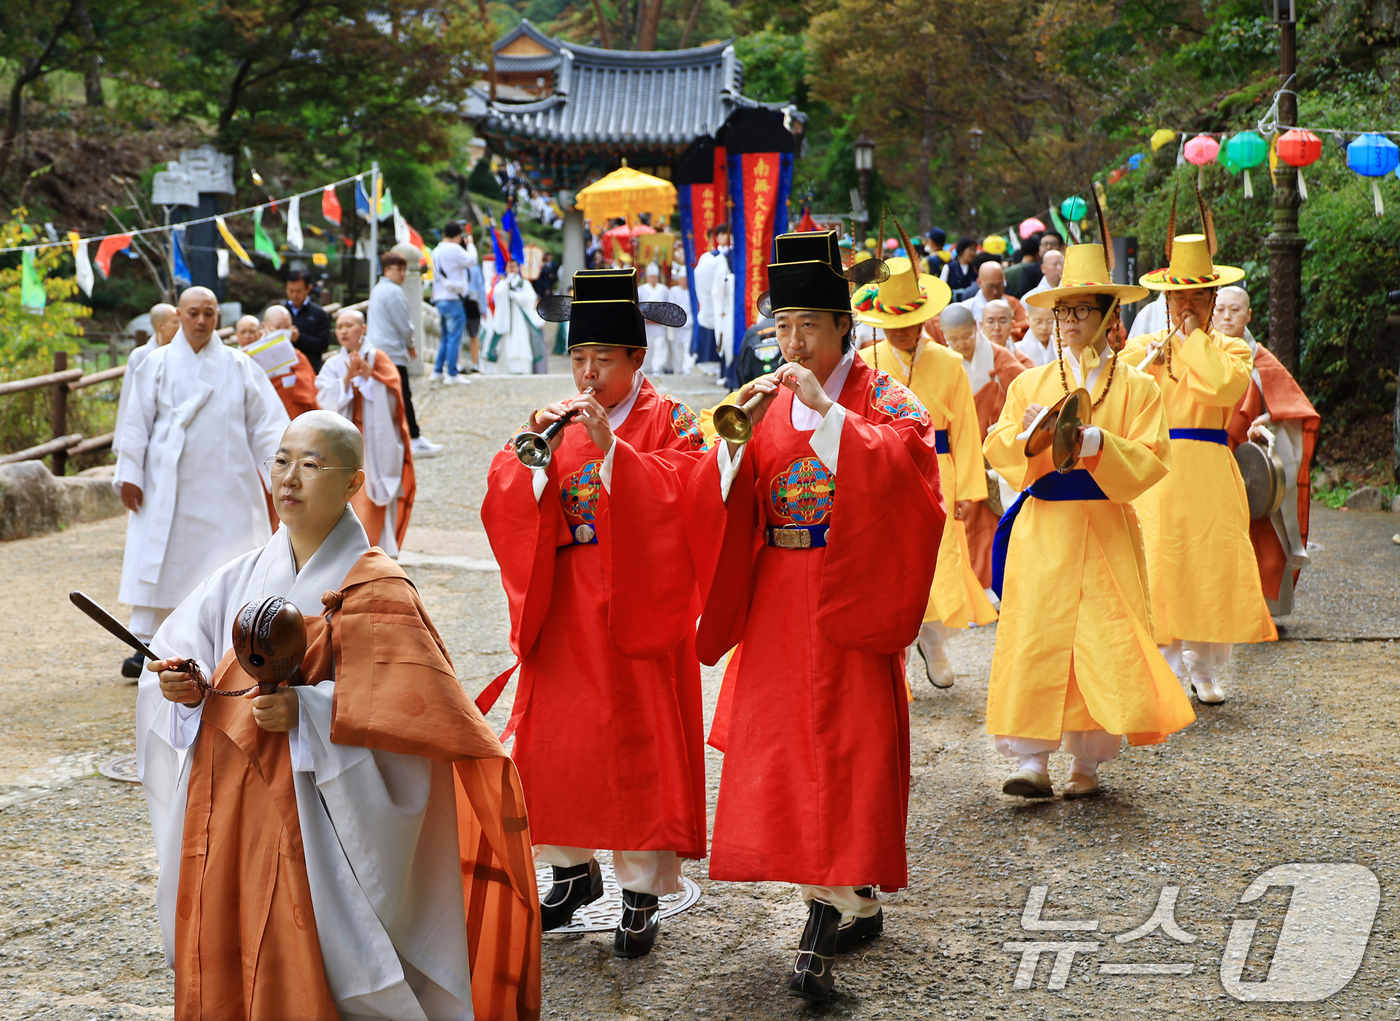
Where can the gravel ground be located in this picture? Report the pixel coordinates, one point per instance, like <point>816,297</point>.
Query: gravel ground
<point>1299,766</point>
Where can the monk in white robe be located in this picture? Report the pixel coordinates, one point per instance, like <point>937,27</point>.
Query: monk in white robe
<point>164,324</point>
<point>322,846</point>
<point>362,384</point>
<point>202,420</point>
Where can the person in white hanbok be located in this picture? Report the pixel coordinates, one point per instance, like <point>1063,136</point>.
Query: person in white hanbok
<point>658,358</point>
<point>355,371</point>
<point>202,419</point>
<point>512,321</point>
<point>722,296</point>
<point>164,323</point>
<point>680,339</point>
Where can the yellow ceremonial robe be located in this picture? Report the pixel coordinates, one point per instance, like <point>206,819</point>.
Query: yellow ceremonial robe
<point>938,379</point>
<point>1074,648</point>
<point>1195,523</point>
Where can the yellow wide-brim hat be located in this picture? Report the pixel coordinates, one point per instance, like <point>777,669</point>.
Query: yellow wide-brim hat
<point>1086,272</point>
<point>1191,267</point>
<point>907,298</point>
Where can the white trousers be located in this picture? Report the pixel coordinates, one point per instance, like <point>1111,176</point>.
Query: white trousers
<point>1087,749</point>
<point>1199,659</point>
<point>146,620</point>
<point>844,898</point>
<point>654,872</point>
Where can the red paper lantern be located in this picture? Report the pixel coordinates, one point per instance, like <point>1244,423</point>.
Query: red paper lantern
<point>1201,150</point>
<point>1299,148</point>
<point>1115,175</point>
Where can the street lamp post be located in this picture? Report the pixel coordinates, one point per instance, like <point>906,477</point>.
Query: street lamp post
<point>1284,242</point>
<point>865,161</point>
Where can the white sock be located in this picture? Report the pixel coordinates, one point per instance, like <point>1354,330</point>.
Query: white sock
<point>1037,761</point>
<point>1083,767</point>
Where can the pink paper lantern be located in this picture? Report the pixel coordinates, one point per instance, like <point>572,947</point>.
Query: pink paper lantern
<point>1032,226</point>
<point>1201,150</point>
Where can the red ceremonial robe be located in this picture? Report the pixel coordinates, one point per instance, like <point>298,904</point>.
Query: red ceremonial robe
<point>1285,401</point>
<point>815,787</point>
<point>608,721</point>
<point>370,514</point>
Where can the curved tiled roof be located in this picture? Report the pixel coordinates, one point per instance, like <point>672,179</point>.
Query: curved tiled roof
<point>661,98</point>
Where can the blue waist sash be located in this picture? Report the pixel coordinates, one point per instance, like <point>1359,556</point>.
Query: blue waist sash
<point>1204,435</point>
<point>796,536</point>
<point>940,441</point>
<point>582,535</point>
<point>1073,485</point>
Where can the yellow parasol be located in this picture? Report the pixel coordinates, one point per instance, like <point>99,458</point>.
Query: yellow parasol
<point>626,192</point>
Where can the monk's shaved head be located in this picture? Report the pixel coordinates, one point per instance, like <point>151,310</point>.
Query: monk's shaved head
<point>1238,293</point>
<point>331,436</point>
<point>956,317</point>
<point>355,315</point>
<point>161,313</point>
<point>190,295</point>
<point>277,318</point>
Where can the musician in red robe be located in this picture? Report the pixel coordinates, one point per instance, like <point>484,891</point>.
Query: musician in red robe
<point>609,735</point>
<point>1277,413</point>
<point>789,535</point>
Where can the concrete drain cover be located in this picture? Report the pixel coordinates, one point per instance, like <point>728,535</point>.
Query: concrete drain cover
<point>120,767</point>
<point>605,912</point>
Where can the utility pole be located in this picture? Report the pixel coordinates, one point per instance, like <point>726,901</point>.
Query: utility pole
<point>1284,242</point>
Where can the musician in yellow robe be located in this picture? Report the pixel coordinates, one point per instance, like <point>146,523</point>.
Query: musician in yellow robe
<point>1075,658</point>
<point>1206,592</point>
<point>900,306</point>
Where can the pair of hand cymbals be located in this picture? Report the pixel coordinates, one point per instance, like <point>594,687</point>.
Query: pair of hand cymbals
<point>1060,429</point>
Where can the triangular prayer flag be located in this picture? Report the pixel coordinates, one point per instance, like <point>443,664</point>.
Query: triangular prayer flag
<point>82,267</point>
<point>110,246</point>
<point>221,255</point>
<point>386,204</point>
<point>263,243</point>
<point>180,271</point>
<point>1060,228</point>
<point>319,259</point>
<point>294,235</point>
<point>31,289</point>
<point>404,234</point>
<point>232,242</point>
<point>330,205</point>
<point>361,199</point>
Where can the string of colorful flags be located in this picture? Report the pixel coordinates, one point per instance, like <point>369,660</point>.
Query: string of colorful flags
<point>34,299</point>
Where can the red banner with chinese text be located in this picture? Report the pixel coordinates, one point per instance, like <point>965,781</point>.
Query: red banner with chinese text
<point>760,174</point>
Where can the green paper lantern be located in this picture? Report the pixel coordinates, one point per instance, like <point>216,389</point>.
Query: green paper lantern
<point>1243,151</point>
<point>1074,208</point>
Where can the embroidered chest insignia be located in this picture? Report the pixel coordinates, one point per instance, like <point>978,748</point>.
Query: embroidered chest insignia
<point>896,400</point>
<point>686,424</point>
<point>804,492</point>
<point>578,493</point>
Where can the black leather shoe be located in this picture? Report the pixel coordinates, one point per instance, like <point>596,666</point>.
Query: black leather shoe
<point>636,932</point>
<point>812,977</point>
<point>850,935</point>
<point>573,887</point>
<point>131,666</point>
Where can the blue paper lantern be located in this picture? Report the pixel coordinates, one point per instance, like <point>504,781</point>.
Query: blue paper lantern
<point>1373,155</point>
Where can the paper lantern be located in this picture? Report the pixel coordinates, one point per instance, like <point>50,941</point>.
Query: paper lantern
<point>1161,137</point>
<point>1074,208</point>
<point>1373,155</point>
<point>1135,161</point>
<point>1033,225</point>
<point>1299,148</point>
<point>891,244</point>
<point>994,243</point>
<point>1115,175</point>
<point>1242,152</point>
<point>1201,150</point>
